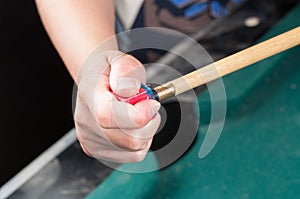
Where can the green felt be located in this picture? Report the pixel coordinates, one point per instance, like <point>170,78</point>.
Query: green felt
<point>240,84</point>
<point>258,153</point>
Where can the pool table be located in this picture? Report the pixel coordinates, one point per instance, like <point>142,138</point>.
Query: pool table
<point>258,153</point>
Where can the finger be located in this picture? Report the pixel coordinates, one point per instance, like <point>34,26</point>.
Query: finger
<point>122,156</point>
<point>127,116</point>
<point>111,113</point>
<point>82,144</point>
<point>147,131</point>
<point>125,142</point>
<point>129,140</point>
<point>132,140</point>
<point>126,75</point>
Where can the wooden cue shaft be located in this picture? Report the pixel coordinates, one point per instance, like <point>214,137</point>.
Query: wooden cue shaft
<point>230,64</point>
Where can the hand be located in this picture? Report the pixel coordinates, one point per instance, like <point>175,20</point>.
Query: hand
<point>106,128</point>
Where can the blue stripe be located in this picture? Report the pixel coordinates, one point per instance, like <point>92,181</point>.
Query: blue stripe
<point>217,9</point>
<point>181,3</point>
<point>196,9</point>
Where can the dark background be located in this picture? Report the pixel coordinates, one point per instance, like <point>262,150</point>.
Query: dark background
<point>35,89</point>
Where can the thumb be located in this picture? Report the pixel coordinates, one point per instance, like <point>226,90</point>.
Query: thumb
<point>126,75</point>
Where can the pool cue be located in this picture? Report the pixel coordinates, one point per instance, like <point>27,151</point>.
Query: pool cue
<point>228,65</point>
<point>219,68</point>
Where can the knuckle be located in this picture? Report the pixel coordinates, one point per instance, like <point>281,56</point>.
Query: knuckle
<point>129,61</point>
<point>103,117</point>
<point>83,146</point>
<point>140,120</point>
<point>133,144</point>
<point>138,157</point>
<point>79,120</point>
<point>86,151</point>
<point>98,155</point>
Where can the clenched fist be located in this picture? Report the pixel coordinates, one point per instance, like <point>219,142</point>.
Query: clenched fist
<point>106,128</point>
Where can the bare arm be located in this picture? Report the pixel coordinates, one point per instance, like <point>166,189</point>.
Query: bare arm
<point>104,126</point>
<point>76,27</point>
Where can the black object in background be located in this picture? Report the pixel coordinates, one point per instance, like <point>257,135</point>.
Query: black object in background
<point>35,88</point>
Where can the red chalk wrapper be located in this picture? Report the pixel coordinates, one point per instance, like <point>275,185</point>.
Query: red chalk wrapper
<point>145,93</point>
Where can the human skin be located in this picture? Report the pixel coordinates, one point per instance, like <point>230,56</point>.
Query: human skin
<point>106,128</point>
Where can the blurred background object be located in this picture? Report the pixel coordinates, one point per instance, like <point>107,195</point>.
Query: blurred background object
<point>35,87</point>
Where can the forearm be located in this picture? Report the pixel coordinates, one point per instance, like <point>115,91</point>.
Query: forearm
<point>76,27</point>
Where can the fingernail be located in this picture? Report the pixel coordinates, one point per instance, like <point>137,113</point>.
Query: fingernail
<point>127,86</point>
<point>154,110</point>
